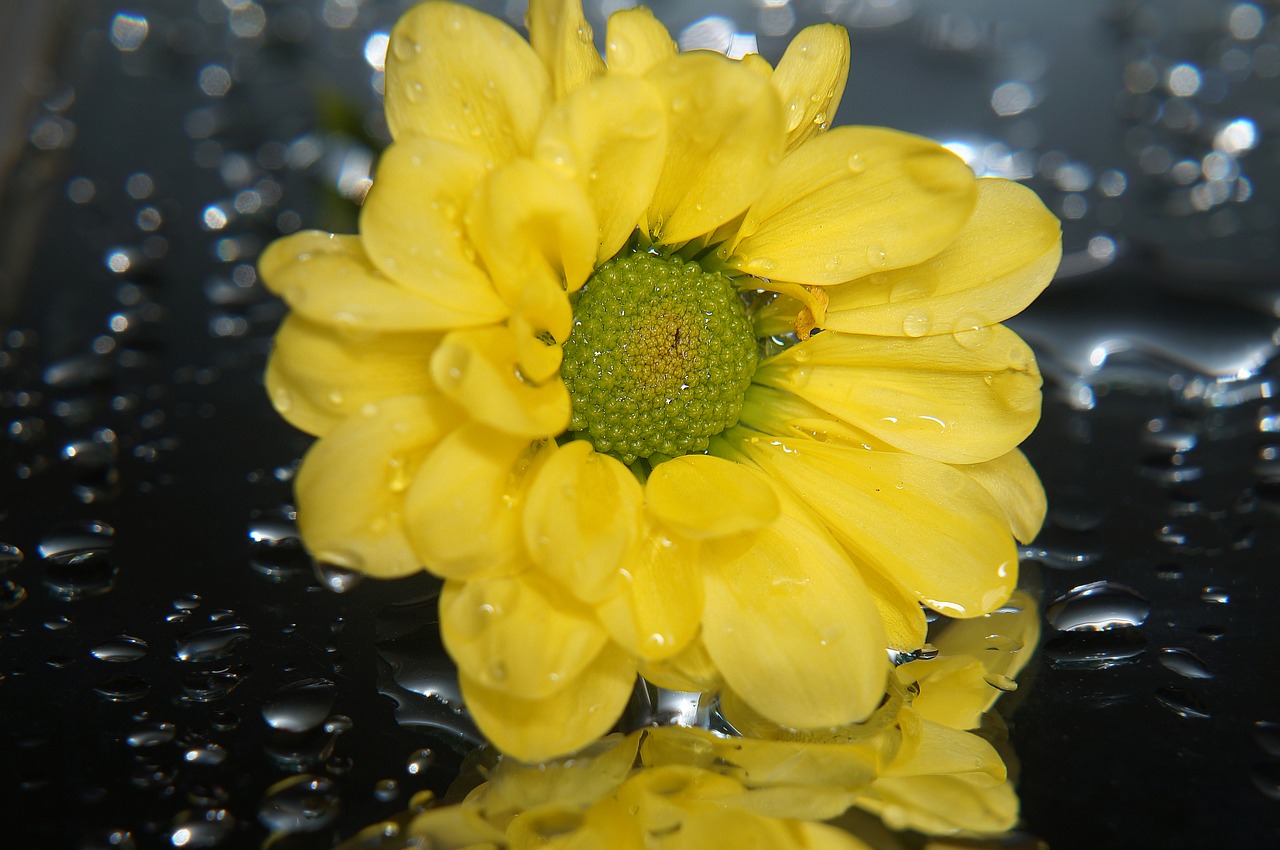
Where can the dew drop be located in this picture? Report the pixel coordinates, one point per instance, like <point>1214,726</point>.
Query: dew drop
<point>420,761</point>
<point>1184,662</point>
<point>12,595</point>
<point>151,734</point>
<point>386,790</point>
<point>1267,735</point>
<point>1097,606</point>
<point>917,324</point>
<point>337,578</point>
<point>1215,595</point>
<point>121,648</point>
<point>1266,778</point>
<point>201,829</point>
<point>302,803</point>
<point>122,688</point>
<point>877,257</point>
<point>856,164</point>
<point>1182,702</point>
<point>77,542</point>
<point>211,644</point>
<point>10,557</point>
<point>300,706</point>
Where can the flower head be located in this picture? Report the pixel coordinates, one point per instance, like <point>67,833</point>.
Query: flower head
<point>661,373</point>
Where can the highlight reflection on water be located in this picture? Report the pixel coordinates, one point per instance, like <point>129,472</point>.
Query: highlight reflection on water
<point>175,671</point>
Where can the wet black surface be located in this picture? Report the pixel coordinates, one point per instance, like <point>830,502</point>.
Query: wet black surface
<point>146,480</point>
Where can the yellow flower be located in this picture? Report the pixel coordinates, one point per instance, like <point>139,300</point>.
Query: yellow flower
<point>677,787</point>
<point>569,365</point>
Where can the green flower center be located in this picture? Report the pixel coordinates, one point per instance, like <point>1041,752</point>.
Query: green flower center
<point>659,359</point>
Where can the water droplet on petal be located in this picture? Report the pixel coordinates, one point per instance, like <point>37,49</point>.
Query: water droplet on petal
<point>917,323</point>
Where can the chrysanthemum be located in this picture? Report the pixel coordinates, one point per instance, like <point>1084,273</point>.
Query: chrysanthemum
<point>660,373</point>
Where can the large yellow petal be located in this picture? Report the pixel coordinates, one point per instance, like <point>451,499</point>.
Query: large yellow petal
<point>560,34</point>
<point>479,368</point>
<point>331,281</point>
<point>655,613</point>
<point>1003,257</point>
<point>635,41</point>
<point>690,670</point>
<point>611,136</point>
<point>465,506</point>
<point>456,74</point>
<point>725,138</point>
<point>793,629</point>
<point>582,518</point>
<point>1013,483</point>
<point>318,375</point>
<point>534,227</point>
<point>854,201</point>
<point>411,226</point>
<point>351,485</point>
<point>702,497</point>
<point>927,528</point>
<point>810,80</point>
<point>519,635</point>
<point>560,827</point>
<point>930,396</point>
<point>537,730</point>
<point>904,620</point>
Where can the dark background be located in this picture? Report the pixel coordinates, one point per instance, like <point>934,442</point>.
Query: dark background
<point>171,668</point>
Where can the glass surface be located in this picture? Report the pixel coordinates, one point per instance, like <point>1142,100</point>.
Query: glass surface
<point>174,671</point>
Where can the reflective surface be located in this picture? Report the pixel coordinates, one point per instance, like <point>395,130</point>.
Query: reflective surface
<point>175,670</point>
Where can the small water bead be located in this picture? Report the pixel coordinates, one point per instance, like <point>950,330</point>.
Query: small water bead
<point>917,323</point>
<point>302,803</point>
<point>1185,663</point>
<point>300,706</point>
<point>122,648</point>
<point>211,644</point>
<point>1266,734</point>
<point>1266,778</point>
<point>204,754</point>
<point>1215,595</point>
<point>202,686</point>
<point>151,734</point>
<point>1095,650</point>
<point>77,542</point>
<point>1097,606</point>
<point>209,828</point>
<point>386,790</point>
<point>337,578</point>
<point>420,761</point>
<point>1182,702</point>
<point>12,594</point>
<point>10,557</point>
<point>122,688</point>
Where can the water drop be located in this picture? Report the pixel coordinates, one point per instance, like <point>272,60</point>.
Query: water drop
<point>1267,735</point>
<point>1266,778</point>
<point>1095,650</point>
<point>77,542</point>
<point>211,644</point>
<point>205,754</point>
<point>1097,606</point>
<point>301,803</point>
<point>203,686</point>
<point>1181,702</point>
<point>300,706</point>
<point>10,557</point>
<point>1184,662</point>
<point>121,648</point>
<point>339,579</point>
<point>917,324</point>
<point>151,735</point>
<point>1215,595</point>
<point>386,790</point>
<point>420,761</point>
<point>12,594</point>
<point>201,829</point>
<point>856,163</point>
<point>877,257</point>
<point>972,331</point>
<point>122,688</point>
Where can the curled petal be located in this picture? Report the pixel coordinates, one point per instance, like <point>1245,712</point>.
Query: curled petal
<point>465,506</point>
<point>854,201</point>
<point>330,280</point>
<point>931,396</point>
<point>635,41</point>
<point>725,138</point>
<point>480,370</point>
<point>810,80</point>
<point>611,136</point>
<point>582,518</point>
<point>351,485</point>
<point>318,375</point>
<point>924,526</point>
<point>700,496</point>
<point>489,628</point>
<point>792,628</point>
<point>1013,483</point>
<point>577,714</point>
<point>456,74</point>
<point>533,224</point>
<point>1003,257</point>
<point>562,37</point>
<point>411,227</point>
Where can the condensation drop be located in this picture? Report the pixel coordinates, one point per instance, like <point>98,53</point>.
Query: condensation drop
<point>121,648</point>
<point>300,706</point>
<point>211,644</point>
<point>302,803</point>
<point>1098,606</point>
<point>1184,662</point>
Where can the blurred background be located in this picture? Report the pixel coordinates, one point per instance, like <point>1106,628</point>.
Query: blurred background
<point>174,671</point>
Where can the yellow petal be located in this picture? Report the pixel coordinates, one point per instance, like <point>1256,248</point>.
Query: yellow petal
<point>942,805</point>
<point>758,64</point>
<point>725,138</point>
<point>462,76</point>
<point>464,508</point>
<point>611,136</point>
<point>351,485</point>
<point>580,780</point>
<point>1013,482</point>
<point>793,629</point>
<point>700,496</point>
<point>582,518</point>
<point>635,41</point>
<point>689,670</point>
<point>531,224</point>
<point>330,280</point>
<point>810,80</point>
<point>411,227</point>
<point>537,730</point>
<point>820,836</point>
<point>561,35</point>
<point>318,375</point>
<point>925,527</point>
<point>478,368</point>
<point>931,396</point>
<point>853,201</point>
<point>1003,257</point>
<point>656,612</point>
<point>903,619</point>
<point>447,828</point>
<point>561,827</point>
<point>519,635</point>
<point>666,798</point>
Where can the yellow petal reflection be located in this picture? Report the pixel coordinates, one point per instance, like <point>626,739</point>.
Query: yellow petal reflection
<point>456,74</point>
